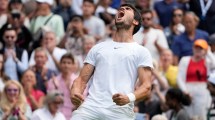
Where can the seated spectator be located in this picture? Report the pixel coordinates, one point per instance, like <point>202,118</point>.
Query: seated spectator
<point>34,97</point>
<point>13,104</point>
<point>73,39</point>
<point>151,38</point>
<point>16,58</point>
<point>24,37</point>
<point>192,79</point>
<point>167,68</point>
<point>176,100</point>
<point>3,78</point>
<point>64,10</point>
<point>182,44</point>
<point>94,25</point>
<point>105,12</point>
<point>45,17</point>
<point>176,27</point>
<point>54,54</point>
<point>3,12</point>
<point>43,74</point>
<point>53,102</point>
<point>63,83</point>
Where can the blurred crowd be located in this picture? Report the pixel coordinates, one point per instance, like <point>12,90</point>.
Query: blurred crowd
<point>43,44</point>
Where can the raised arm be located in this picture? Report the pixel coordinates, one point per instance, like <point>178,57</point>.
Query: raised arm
<point>80,84</point>
<point>145,83</point>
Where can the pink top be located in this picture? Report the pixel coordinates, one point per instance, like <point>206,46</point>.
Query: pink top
<point>37,94</point>
<point>67,106</point>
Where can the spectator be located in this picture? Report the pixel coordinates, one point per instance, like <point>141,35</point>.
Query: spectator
<point>54,54</point>
<point>43,74</point>
<point>13,104</point>
<point>182,45</point>
<point>89,42</point>
<point>34,97</point>
<point>192,79</point>
<point>3,78</point>
<point>63,83</point>
<point>53,102</point>
<point>151,38</point>
<point>167,68</point>
<point>63,9</point>
<point>176,99</point>
<point>176,27</point>
<point>164,10</point>
<point>15,18</point>
<point>3,11</point>
<point>94,25</point>
<point>44,17</point>
<point>15,5</point>
<point>16,58</point>
<point>105,12</point>
<point>73,39</point>
<point>205,10</point>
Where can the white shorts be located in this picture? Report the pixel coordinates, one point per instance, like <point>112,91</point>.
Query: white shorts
<point>98,113</point>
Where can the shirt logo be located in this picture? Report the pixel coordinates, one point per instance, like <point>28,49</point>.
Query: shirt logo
<point>117,47</point>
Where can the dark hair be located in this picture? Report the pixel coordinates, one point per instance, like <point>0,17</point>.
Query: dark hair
<point>177,94</point>
<point>9,27</point>
<point>68,56</point>
<point>137,17</point>
<point>144,11</point>
<point>77,16</point>
<point>90,1</point>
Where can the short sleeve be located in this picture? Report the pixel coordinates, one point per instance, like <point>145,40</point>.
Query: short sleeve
<point>144,59</point>
<point>91,56</point>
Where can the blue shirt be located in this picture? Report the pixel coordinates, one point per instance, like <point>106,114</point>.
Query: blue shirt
<point>182,44</point>
<point>164,11</point>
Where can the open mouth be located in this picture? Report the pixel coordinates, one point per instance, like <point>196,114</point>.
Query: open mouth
<point>121,14</point>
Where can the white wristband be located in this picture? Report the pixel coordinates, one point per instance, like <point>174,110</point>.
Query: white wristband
<point>131,97</point>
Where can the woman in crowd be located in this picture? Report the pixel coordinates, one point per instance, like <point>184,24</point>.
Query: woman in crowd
<point>167,68</point>
<point>192,79</point>
<point>176,27</point>
<point>63,83</point>
<point>34,97</point>
<point>176,99</point>
<point>13,104</point>
<point>53,102</point>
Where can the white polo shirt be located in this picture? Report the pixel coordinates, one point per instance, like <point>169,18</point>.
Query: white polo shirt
<point>116,70</point>
<point>44,114</point>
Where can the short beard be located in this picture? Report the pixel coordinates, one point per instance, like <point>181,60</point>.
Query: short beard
<point>122,25</point>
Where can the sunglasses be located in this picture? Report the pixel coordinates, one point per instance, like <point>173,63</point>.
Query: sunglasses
<point>177,15</point>
<point>10,90</point>
<point>7,37</point>
<point>146,19</point>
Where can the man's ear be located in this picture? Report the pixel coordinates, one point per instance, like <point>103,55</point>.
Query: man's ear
<point>135,22</point>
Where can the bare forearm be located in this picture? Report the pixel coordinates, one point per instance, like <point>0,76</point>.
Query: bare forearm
<point>142,92</point>
<point>78,86</point>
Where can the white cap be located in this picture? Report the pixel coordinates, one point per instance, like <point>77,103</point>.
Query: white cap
<point>212,78</point>
<point>50,2</point>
